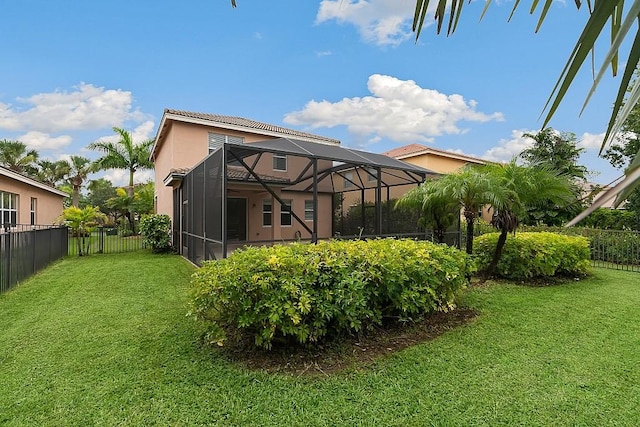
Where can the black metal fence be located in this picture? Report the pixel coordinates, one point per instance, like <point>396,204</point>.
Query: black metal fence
<point>24,250</point>
<point>102,241</point>
<point>613,249</point>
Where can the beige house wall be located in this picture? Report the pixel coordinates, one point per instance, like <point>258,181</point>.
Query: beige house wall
<point>257,232</point>
<point>48,205</point>
<point>440,163</point>
<point>184,145</point>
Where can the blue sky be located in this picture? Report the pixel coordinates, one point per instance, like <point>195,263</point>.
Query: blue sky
<point>340,68</point>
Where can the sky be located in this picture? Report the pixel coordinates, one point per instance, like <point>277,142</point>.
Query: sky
<point>345,69</point>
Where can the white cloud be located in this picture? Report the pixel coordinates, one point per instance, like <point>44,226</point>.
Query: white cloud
<point>141,133</point>
<point>43,141</point>
<point>86,107</point>
<point>507,149</point>
<point>399,110</point>
<point>324,53</point>
<point>591,141</point>
<point>120,177</point>
<point>383,22</point>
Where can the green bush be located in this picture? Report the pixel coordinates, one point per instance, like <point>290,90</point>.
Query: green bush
<point>307,292</point>
<point>155,230</point>
<point>533,255</point>
<point>614,246</point>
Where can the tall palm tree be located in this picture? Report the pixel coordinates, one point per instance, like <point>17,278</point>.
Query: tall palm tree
<point>521,188</point>
<point>124,154</point>
<point>79,168</point>
<point>15,156</point>
<point>600,12</point>
<point>52,173</point>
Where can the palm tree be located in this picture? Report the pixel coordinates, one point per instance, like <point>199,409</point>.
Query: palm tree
<point>521,188</point>
<point>123,204</point>
<point>124,154</point>
<point>79,168</point>
<point>600,12</point>
<point>52,173</point>
<point>470,189</point>
<point>15,156</point>
<point>438,211</point>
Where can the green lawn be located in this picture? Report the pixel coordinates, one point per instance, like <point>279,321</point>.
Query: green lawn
<point>103,340</point>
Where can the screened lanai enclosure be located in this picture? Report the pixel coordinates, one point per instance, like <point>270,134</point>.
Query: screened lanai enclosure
<point>285,190</point>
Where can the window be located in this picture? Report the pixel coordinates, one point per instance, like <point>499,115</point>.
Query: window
<point>348,180</point>
<point>34,205</point>
<point>9,208</point>
<point>217,139</point>
<point>308,210</point>
<point>267,213</point>
<point>372,175</point>
<point>279,163</point>
<point>285,213</point>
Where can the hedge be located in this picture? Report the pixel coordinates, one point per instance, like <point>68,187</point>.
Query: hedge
<point>305,293</point>
<point>533,255</point>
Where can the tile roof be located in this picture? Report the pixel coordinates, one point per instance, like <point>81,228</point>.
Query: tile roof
<point>405,150</point>
<point>30,181</point>
<point>251,124</point>
<point>417,149</point>
<point>235,173</point>
<point>240,173</point>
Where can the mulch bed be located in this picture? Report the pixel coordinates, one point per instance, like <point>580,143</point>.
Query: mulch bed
<point>348,352</point>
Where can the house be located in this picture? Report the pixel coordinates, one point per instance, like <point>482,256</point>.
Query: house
<point>435,160</point>
<point>431,158</point>
<point>438,161</point>
<point>230,181</point>
<point>25,201</point>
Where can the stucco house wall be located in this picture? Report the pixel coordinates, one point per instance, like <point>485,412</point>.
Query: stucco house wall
<point>439,161</point>
<point>48,201</point>
<point>182,141</point>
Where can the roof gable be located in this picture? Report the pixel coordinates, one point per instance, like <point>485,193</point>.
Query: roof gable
<point>30,181</point>
<point>414,150</point>
<point>237,124</point>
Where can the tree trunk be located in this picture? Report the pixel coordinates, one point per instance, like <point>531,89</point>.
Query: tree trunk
<point>498,253</point>
<point>76,195</point>
<point>470,221</point>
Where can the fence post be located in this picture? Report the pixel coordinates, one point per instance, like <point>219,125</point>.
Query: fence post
<point>100,240</point>
<point>7,250</point>
<point>33,242</point>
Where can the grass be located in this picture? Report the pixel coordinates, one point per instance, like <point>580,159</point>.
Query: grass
<point>109,243</point>
<point>103,340</point>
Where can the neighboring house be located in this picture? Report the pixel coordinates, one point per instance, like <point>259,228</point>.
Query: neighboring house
<point>279,182</point>
<point>440,161</point>
<point>25,201</point>
<point>592,192</point>
<point>430,158</point>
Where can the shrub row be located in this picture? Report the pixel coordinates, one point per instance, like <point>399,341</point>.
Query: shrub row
<point>532,255</point>
<point>615,246</point>
<point>306,292</point>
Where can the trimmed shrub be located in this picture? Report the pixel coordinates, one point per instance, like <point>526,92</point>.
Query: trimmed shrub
<point>305,292</point>
<point>155,230</point>
<point>533,255</point>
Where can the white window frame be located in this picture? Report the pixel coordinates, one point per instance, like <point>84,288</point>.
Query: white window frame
<point>219,138</point>
<point>34,211</point>
<point>276,158</point>
<point>372,175</point>
<point>348,180</point>
<point>10,208</point>
<point>269,203</point>
<point>284,212</point>
<point>308,210</point>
